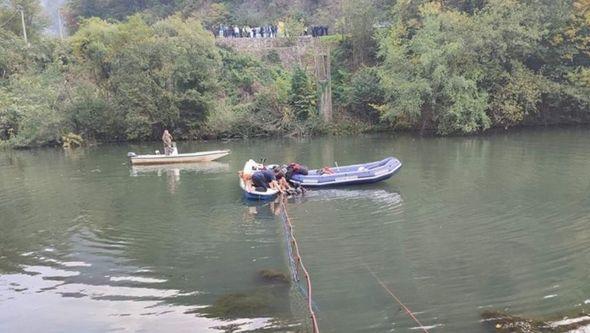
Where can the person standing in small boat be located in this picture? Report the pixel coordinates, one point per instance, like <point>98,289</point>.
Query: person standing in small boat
<point>167,139</point>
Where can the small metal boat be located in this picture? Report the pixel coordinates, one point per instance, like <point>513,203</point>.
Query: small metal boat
<point>350,175</point>
<point>204,156</point>
<point>250,167</point>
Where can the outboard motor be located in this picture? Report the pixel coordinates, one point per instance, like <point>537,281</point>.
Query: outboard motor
<point>131,154</point>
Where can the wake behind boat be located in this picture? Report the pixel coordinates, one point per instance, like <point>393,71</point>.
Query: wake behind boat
<point>349,175</point>
<point>204,156</point>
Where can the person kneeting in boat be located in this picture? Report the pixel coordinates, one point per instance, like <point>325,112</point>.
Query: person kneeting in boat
<point>265,179</point>
<point>260,180</point>
<point>167,140</point>
<point>280,174</point>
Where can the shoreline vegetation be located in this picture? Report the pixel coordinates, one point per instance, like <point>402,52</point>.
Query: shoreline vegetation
<point>444,67</point>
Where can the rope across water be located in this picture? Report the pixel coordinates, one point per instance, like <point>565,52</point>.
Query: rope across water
<point>422,327</point>
<point>296,264</point>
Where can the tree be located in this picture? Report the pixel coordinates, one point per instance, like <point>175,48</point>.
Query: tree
<point>459,73</point>
<point>303,96</point>
<point>358,21</point>
<point>430,78</point>
<point>158,76</point>
<point>294,28</point>
<point>29,110</point>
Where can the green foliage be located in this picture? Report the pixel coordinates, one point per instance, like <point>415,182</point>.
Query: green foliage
<point>460,73</point>
<point>89,112</point>
<point>452,66</point>
<point>29,115</point>
<point>294,28</point>
<point>256,99</point>
<point>303,97</point>
<point>273,57</point>
<point>165,75</point>
<point>366,94</point>
<point>358,20</point>
<point>121,9</point>
<point>12,54</point>
<point>430,79</point>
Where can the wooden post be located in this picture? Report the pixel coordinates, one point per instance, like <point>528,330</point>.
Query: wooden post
<point>324,82</point>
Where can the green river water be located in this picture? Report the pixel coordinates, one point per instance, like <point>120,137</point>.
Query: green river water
<point>88,244</point>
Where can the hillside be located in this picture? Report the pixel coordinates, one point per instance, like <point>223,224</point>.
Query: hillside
<point>131,68</point>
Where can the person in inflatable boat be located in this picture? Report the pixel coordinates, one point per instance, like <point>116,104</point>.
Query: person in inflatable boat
<point>295,169</point>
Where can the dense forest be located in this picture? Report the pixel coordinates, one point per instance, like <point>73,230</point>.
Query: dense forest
<point>129,68</point>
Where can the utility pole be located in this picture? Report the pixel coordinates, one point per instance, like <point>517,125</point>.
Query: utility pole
<point>22,17</point>
<point>61,30</point>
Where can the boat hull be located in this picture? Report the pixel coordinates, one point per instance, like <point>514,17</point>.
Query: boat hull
<point>206,156</point>
<point>351,175</point>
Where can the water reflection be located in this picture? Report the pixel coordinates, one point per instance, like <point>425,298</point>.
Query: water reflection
<point>173,171</point>
<point>200,167</point>
<point>378,195</point>
<point>262,209</point>
<point>97,291</point>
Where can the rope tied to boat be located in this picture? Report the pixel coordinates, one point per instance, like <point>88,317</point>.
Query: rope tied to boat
<point>297,265</point>
<point>390,292</point>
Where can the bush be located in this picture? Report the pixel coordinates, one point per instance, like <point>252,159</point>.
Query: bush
<point>29,112</point>
<point>273,57</point>
<point>366,93</point>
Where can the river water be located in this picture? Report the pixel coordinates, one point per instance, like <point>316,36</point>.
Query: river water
<point>88,244</point>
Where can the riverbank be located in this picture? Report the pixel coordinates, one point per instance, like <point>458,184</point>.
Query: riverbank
<point>129,80</point>
<point>336,130</point>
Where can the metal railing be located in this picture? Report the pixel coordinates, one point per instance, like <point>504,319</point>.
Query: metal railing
<point>298,270</point>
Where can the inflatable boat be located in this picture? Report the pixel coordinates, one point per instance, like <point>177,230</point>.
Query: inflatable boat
<point>250,167</point>
<point>349,175</point>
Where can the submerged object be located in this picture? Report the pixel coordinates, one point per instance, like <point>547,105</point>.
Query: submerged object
<point>349,175</point>
<point>253,193</point>
<point>204,156</point>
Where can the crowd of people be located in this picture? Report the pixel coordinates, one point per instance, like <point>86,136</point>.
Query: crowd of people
<point>318,30</point>
<point>265,31</point>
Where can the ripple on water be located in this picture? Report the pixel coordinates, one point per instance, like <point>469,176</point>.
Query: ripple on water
<point>493,222</point>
